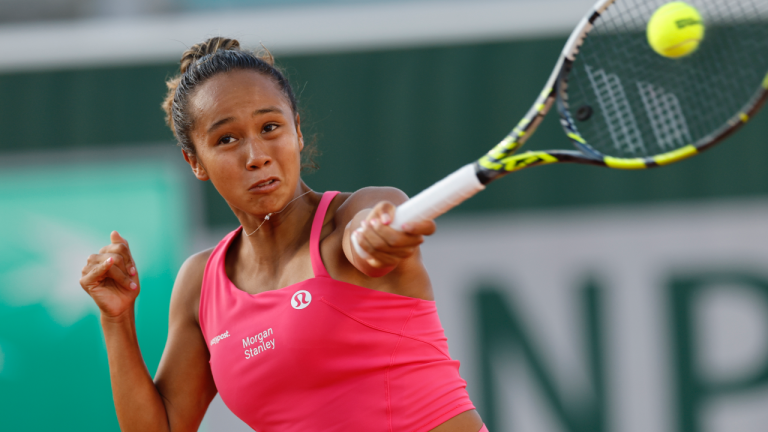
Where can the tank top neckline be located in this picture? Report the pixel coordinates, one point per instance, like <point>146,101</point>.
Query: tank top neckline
<point>318,268</point>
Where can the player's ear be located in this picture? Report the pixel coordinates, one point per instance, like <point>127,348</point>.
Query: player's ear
<point>298,132</point>
<point>196,165</point>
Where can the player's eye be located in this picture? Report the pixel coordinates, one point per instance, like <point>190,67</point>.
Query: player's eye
<point>226,139</point>
<point>269,128</point>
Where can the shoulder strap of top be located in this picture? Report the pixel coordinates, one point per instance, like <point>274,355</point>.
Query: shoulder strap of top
<point>314,238</point>
<point>214,277</point>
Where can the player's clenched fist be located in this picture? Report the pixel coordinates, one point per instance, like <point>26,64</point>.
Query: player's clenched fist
<point>385,246</point>
<point>110,277</point>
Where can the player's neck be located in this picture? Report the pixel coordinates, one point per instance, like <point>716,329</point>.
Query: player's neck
<point>283,232</point>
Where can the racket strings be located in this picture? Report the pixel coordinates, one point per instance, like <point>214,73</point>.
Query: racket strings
<point>644,104</point>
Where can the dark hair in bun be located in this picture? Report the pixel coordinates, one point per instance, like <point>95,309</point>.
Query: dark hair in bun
<point>203,61</point>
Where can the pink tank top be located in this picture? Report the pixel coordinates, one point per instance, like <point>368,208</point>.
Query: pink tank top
<point>350,358</point>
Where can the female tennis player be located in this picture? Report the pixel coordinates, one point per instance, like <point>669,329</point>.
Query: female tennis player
<point>295,330</point>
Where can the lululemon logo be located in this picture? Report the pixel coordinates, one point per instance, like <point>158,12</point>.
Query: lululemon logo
<point>301,299</point>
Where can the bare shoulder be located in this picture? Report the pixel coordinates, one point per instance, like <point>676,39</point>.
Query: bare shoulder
<point>194,266</point>
<point>366,198</point>
<point>185,299</point>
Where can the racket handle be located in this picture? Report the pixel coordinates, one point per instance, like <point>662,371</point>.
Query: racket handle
<point>437,199</point>
<point>432,202</point>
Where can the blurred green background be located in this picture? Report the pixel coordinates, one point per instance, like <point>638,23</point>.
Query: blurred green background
<point>401,117</point>
<point>54,216</point>
<point>84,150</point>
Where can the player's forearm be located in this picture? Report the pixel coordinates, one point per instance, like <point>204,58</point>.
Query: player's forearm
<point>138,403</point>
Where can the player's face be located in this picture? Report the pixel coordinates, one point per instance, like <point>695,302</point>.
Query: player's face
<point>248,141</point>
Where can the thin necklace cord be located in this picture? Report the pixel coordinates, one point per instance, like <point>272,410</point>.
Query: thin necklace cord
<point>266,218</point>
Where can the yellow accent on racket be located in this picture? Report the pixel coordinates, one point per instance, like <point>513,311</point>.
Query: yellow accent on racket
<point>677,155</point>
<point>628,164</point>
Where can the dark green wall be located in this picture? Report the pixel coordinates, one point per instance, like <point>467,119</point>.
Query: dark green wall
<point>82,108</point>
<point>401,117</point>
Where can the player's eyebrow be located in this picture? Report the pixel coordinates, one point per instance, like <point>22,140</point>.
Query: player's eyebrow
<point>266,110</point>
<point>219,123</point>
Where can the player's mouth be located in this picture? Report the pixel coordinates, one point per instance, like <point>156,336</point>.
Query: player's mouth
<point>265,186</point>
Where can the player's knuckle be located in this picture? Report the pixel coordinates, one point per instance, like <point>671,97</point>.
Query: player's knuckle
<point>382,207</point>
<point>404,240</point>
<point>86,280</point>
<point>387,239</point>
<point>366,245</point>
<point>384,242</point>
<point>377,242</point>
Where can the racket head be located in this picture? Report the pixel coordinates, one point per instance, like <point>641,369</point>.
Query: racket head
<point>625,106</point>
<point>656,110</point>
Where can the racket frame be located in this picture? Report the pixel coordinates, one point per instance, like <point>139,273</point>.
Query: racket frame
<point>502,159</point>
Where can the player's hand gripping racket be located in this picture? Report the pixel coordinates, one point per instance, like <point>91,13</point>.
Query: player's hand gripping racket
<point>625,106</point>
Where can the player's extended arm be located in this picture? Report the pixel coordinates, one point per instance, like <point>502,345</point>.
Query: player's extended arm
<point>370,212</point>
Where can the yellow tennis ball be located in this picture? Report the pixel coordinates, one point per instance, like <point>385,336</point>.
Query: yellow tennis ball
<point>675,29</point>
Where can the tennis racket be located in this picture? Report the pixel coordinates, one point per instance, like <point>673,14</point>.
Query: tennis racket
<point>624,106</point>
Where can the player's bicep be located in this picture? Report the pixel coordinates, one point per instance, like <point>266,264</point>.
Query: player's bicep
<point>184,377</point>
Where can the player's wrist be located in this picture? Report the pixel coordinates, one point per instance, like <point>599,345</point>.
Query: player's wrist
<point>127,316</point>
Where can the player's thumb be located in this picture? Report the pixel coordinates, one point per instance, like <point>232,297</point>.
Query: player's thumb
<point>386,212</point>
<point>115,237</point>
